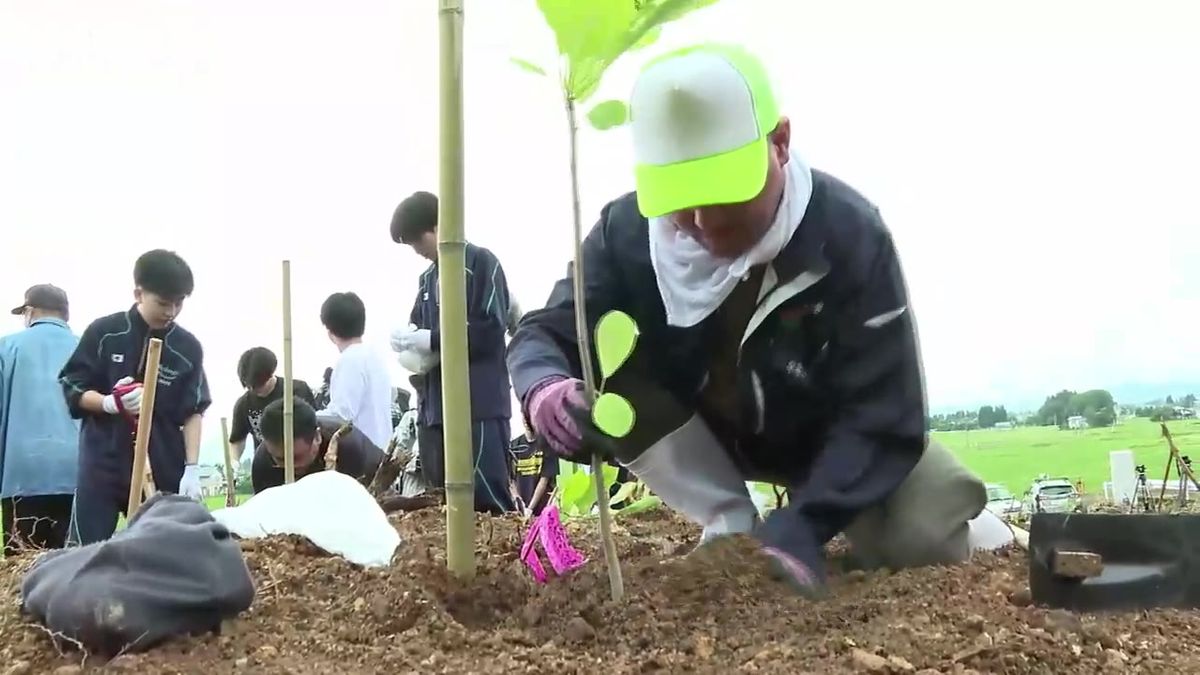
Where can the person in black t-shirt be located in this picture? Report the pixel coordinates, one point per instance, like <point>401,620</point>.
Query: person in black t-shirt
<point>357,456</point>
<point>534,473</point>
<point>256,371</point>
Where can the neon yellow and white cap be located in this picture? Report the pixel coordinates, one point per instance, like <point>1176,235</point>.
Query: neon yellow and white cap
<point>700,118</point>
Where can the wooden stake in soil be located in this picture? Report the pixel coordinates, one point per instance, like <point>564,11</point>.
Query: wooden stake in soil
<point>289,441</point>
<point>141,443</point>
<point>456,399</point>
<point>230,493</point>
<point>615,582</point>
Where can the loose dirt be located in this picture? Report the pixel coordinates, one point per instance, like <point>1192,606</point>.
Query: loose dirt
<point>713,614</point>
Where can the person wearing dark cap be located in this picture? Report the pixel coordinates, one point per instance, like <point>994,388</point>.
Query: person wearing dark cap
<point>489,315</point>
<point>38,438</point>
<point>102,383</point>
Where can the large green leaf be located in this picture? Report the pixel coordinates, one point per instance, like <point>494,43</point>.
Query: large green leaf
<point>624,492</point>
<point>573,490</point>
<point>649,19</point>
<point>608,114</point>
<point>616,331</point>
<point>576,497</point>
<point>587,33</point>
<point>644,504</point>
<point>613,415</point>
<point>592,34</point>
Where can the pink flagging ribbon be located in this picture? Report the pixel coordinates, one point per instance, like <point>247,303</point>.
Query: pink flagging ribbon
<point>547,529</point>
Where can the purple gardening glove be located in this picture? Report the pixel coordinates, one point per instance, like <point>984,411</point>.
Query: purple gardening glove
<point>548,407</point>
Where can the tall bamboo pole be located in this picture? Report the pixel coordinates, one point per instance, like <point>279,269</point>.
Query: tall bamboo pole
<point>584,336</point>
<point>456,400</point>
<point>141,442</point>
<point>289,440</point>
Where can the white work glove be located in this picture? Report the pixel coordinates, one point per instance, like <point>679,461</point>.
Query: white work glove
<point>189,485</point>
<point>130,400</point>
<point>412,339</point>
<point>400,337</point>
<point>415,362</point>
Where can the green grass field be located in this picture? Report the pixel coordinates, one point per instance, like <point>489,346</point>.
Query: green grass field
<point>1014,457</point>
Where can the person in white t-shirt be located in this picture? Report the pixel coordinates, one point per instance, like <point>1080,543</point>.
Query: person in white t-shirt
<point>360,390</point>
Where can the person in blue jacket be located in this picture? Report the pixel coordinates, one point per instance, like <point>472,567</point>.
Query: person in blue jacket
<point>38,439</point>
<point>776,340</point>
<point>414,224</point>
<point>102,382</point>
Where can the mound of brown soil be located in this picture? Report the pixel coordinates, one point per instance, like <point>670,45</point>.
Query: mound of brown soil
<point>714,614</point>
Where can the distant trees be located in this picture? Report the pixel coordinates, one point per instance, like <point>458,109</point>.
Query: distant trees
<point>989,417</point>
<point>1158,413</point>
<point>962,420</point>
<point>1096,406</point>
<point>966,420</point>
<point>1168,409</point>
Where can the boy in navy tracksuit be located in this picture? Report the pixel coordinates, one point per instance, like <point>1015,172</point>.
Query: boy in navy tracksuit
<point>488,310</point>
<point>102,382</point>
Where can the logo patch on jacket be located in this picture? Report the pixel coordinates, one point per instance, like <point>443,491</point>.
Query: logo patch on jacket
<point>166,375</point>
<point>118,358</point>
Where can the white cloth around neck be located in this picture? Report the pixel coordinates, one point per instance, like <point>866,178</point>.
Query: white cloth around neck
<point>692,282</point>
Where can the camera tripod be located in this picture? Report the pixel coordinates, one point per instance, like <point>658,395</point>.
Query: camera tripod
<point>1183,466</point>
<point>1141,494</point>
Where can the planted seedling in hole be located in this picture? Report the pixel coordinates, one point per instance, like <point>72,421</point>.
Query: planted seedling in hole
<point>591,35</point>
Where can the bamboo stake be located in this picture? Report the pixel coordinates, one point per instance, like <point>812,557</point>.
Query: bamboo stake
<point>141,443</point>
<point>456,400</point>
<point>584,337</point>
<point>289,440</point>
<point>230,493</point>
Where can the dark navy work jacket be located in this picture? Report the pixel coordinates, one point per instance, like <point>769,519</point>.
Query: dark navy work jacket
<point>487,319</point>
<point>111,348</point>
<point>831,397</point>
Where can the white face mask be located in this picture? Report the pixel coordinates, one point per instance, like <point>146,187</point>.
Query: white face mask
<point>692,282</point>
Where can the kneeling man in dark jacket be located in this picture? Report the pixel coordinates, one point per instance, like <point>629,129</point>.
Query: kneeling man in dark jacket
<point>776,338</point>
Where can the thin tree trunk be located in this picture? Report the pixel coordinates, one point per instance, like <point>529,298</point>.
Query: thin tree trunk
<point>615,582</point>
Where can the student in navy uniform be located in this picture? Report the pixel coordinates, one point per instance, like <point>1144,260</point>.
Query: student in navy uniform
<point>256,372</point>
<point>102,382</point>
<point>357,456</point>
<point>534,473</point>
<point>488,315</point>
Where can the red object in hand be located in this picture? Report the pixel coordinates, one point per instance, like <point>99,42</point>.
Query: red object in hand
<point>119,392</point>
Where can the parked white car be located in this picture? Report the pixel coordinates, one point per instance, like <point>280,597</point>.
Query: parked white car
<point>1001,502</point>
<point>1051,495</point>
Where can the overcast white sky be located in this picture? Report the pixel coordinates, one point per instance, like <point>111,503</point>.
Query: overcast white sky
<point>1037,161</point>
